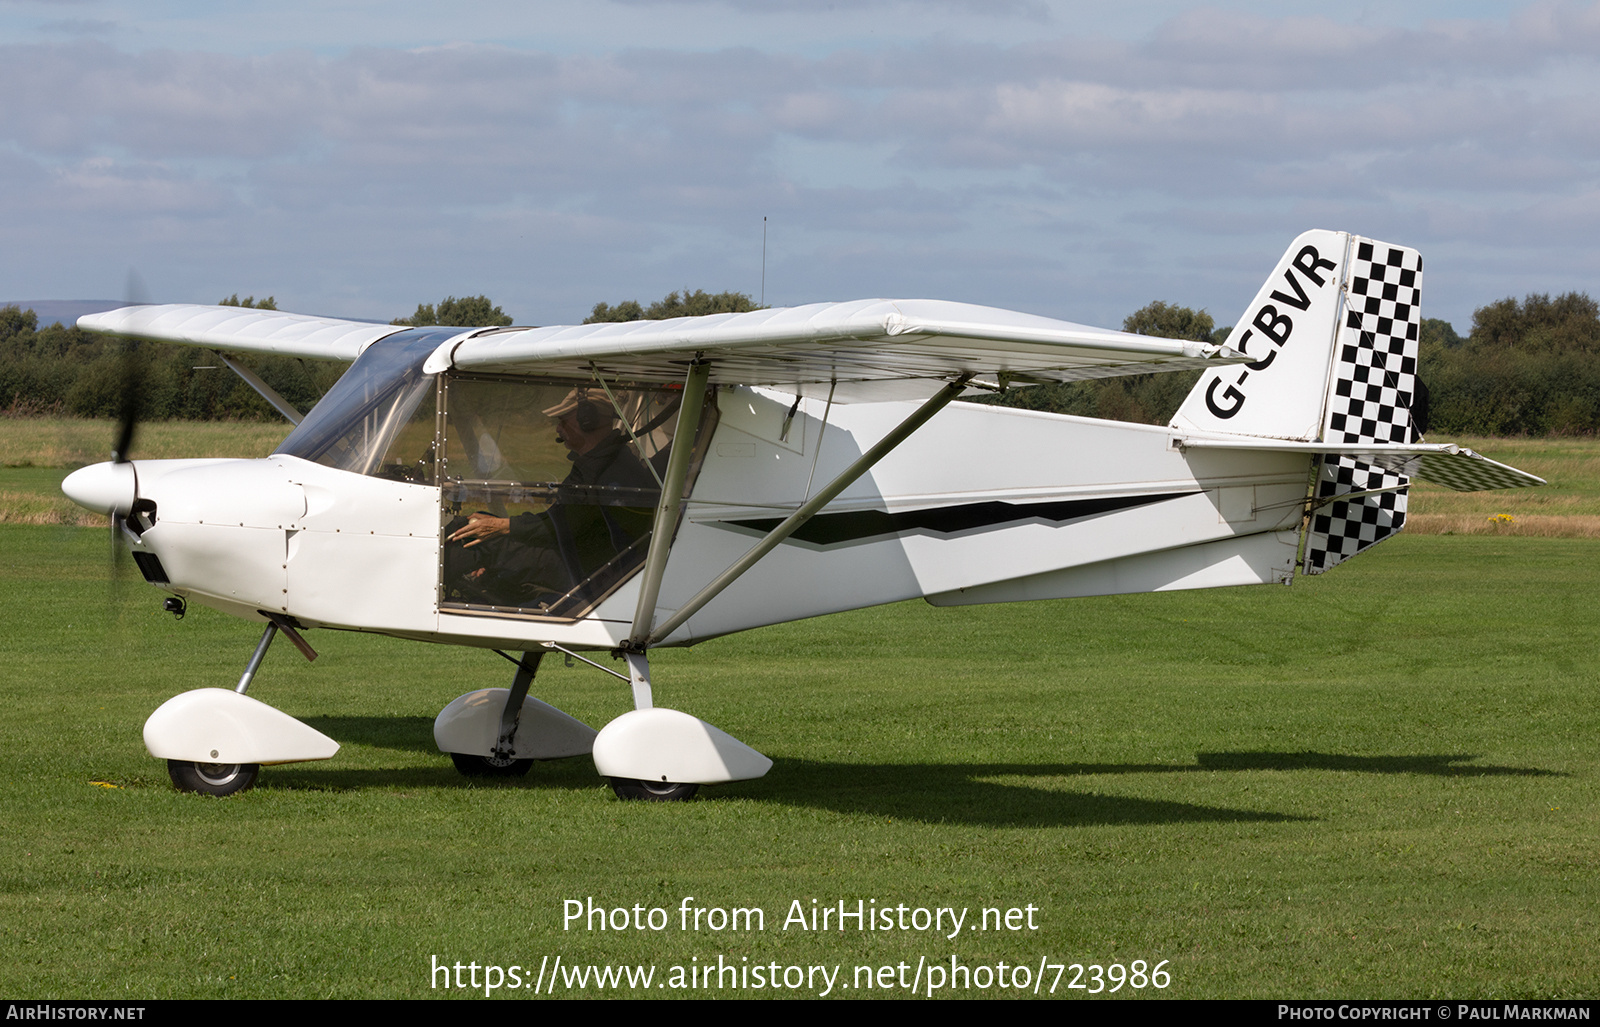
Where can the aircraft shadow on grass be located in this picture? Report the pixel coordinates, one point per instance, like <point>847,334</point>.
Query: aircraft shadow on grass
<point>935,793</point>
<point>958,793</point>
<point>962,792</point>
<point>965,793</point>
<point>412,735</point>
<point>1435,766</point>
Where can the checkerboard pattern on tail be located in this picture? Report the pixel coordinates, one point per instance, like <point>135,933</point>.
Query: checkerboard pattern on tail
<point>1373,388</point>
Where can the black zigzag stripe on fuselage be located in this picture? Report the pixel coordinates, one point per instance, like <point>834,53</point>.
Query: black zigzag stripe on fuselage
<point>834,529</point>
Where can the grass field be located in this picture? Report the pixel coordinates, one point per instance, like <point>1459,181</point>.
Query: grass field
<point>1379,782</point>
<point>1567,507</point>
<point>36,453</point>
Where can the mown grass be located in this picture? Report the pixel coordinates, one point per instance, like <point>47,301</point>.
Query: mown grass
<point>1567,507</point>
<point>1379,782</point>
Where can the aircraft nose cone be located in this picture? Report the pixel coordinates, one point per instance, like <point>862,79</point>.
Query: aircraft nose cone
<point>103,488</point>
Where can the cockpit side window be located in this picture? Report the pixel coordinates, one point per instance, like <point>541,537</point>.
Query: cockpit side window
<point>548,490</point>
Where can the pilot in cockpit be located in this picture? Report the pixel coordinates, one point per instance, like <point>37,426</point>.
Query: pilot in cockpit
<point>603,508</point>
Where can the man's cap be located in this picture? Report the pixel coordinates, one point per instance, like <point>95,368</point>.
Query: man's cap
<point>575,399</point>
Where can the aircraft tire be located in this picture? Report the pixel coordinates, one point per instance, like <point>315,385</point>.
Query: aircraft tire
<point>213,778</point>
<point>489,766</point>
<point>652,791</point>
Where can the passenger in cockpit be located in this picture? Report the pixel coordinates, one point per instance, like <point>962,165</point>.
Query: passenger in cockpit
<point>602,508</point>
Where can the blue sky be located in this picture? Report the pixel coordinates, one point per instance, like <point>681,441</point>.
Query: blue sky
<point>1058,158</point>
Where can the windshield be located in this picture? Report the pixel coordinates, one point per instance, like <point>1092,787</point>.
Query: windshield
<point>379,418</point>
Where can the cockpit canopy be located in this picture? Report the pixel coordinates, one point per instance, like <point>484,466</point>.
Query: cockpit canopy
<point>569,470</point>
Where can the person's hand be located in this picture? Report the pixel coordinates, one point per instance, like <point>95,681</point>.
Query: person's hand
<point>479,527</point>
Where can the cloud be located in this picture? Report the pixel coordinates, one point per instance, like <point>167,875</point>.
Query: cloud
<point>1030,9</point>
<point>78,27</point>
<point>956,160</point>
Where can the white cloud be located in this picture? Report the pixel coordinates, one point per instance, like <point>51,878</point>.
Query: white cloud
<point>381,175</point>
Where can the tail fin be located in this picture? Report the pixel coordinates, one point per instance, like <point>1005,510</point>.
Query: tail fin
<point>1336,332</point>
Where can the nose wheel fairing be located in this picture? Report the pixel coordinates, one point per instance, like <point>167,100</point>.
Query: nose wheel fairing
<point>221,726</point>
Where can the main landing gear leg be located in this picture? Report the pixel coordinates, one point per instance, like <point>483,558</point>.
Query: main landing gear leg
<point>663,755</point>
<point>644,788</point>
<point>653,753</point>
<point>499,732</point>
<point>501,762</point>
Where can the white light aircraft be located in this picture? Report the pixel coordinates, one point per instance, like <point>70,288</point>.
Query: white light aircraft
<point>613,488</point>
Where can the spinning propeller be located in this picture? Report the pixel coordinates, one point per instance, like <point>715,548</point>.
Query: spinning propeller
<point>113,486</point>
<point>130,404</point>
<point>131,401</point>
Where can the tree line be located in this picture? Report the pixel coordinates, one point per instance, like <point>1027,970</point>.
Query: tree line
<point>1526,367</point>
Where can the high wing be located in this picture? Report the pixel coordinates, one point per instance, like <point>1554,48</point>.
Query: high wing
<point>860,348</point>
<point>243,329</point>
<point>863,346</point>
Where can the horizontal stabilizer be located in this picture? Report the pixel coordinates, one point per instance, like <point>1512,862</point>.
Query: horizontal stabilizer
<point>1452,466</point>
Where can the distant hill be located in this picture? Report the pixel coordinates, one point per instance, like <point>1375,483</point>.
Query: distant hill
<point>64,312</point>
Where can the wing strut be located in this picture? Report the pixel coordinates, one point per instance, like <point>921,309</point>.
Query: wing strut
<point>862,465</point>
<point>655,563</point>
<point>264,390</point>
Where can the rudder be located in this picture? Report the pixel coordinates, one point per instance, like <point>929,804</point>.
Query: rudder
<point>1373,398</point>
